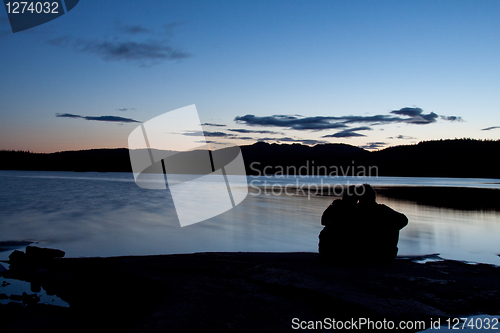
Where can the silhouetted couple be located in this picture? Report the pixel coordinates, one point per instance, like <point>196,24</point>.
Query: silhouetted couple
<point>359,230</point>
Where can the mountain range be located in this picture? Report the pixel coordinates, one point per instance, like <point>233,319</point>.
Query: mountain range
<point>441,158</point>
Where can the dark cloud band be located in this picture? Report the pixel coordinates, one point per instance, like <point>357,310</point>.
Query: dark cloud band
<point>490,128</point>
<point>115,119</point>
<point>374,145</point>
<point>292,122</point>
<point>287,139</point>
<point>348,133</point>
<point>214,125</point>
<point>209,134</point>
<point>145,51</point>
<point>245,131</point>
<point>404,115</point>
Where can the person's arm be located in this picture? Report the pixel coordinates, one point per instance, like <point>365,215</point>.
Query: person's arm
<point>400,220</point>
<point>396,219</point>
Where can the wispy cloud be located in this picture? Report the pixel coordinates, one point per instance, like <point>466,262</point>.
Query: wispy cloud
<point>146,52</point>
<point>292,122</point>
<point>452,118</point>
<point>374,145</point>
<point>133,29</point>
<point>115,119</point>
<point>348,133</point>
<point>297,122</point>
<point>402,137</point>
<point>490,128</point>
<point>143,51</point>
<point>417,115</point>
<point>212,124</point>
<point>209,134</point>
<point>245,131</point>
<point>288,139</point>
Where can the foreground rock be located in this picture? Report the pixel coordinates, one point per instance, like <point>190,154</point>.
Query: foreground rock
<point>33,254</point>
<point>249,292</point>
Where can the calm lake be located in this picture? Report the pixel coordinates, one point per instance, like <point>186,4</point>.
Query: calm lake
<point>107,214</point>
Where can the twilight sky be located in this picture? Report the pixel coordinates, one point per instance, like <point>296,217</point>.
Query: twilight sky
<point>367,73</point>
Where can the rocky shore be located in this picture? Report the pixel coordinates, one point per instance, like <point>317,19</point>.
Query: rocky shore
<point>244,292</point>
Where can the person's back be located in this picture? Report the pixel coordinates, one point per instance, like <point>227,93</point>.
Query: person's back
<point>379,227</point>
<point>335,240</point>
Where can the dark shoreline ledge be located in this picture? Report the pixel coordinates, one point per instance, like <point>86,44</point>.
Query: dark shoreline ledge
<point>244,292</point>
<point>461,198</point>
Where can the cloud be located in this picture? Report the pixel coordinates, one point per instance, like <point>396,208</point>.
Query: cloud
<point>245,131</point>
<point>452,118</point>
<point>126,109</point>
<point>292,122</point>
<point>218,134</point>
<point>115,119</point>
<point>314,123</point>
<point>403,137</point>
<point>297,122</point>
<point>374,145</point>
<point>209,134</point>
<point>374,120</point>
<point>288,139</point>
<point>410,112</point>
<point>343,134</point>
<point>490,128</point>
<point>145,52</point>
<point>212,124</point>
<point>133,29</point>
<point>417,115</point>
<point>348,133</point>
<point>68,115</point>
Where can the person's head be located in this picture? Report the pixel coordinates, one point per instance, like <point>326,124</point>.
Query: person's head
<point>367,194</point>
<point>349,194</point>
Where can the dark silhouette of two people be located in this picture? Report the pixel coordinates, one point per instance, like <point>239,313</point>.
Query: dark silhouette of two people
<point>358,230</point>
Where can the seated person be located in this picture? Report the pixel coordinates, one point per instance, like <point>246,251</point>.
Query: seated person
<point>379,226</point>
<point>335,240</point>
<point>365,232</point>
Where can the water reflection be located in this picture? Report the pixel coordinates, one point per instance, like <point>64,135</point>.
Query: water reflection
<point>455,234</point>
<point>108,215</point>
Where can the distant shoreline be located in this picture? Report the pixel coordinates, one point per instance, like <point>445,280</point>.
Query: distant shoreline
<point>461,198</point>
<point>459,158</point>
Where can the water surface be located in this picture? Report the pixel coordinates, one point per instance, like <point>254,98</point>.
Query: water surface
<point>106,214</point>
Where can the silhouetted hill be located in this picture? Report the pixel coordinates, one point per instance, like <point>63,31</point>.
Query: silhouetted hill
<point>263,158</point>
<point>100,160</point>
<point>443,158</point>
